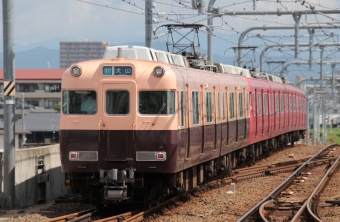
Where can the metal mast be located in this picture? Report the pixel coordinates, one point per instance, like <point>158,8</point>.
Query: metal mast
<point>148,23</point>
<point>9,105</point>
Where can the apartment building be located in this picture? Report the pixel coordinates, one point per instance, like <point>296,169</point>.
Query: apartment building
<point>72,52</point>
<point>41,89</point>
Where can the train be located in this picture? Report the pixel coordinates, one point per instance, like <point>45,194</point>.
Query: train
<point>159,123</point>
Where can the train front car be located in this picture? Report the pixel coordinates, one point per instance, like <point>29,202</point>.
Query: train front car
<point>118,128</point>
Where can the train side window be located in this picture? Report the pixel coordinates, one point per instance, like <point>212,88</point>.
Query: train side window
<point>240,104</point>
<point>223,106</point>
<point>259,104</point>
<point>117,102</point>
<point>276,104</point>
<point>218,107</point>
<point>232,105</point>
<point>290,104</point>
<point>208,107</point>
<point>195,107</point>
<point>182,108</point>
<point>265,105</point>
<point>282,103</point>
<point>79,102</point>
<point>157,102</point>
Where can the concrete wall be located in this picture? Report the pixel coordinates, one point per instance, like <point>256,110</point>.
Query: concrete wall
<point>27,190</point>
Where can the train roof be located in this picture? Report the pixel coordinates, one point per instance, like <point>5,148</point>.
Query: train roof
<point>145,53</point>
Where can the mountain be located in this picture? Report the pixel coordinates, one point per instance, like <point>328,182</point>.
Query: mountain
<point>37,58</point>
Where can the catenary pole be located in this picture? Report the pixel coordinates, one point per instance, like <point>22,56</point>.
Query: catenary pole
<point>148,23</point>
<point>244,33</point>
<point>9,105</point>
<point>210,24</point>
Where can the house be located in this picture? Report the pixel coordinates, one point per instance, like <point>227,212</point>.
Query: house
<point>19,133</point>
<point>44,127</point>
<point>41,89</point>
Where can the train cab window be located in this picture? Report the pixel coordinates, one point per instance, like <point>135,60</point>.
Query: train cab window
<point>240,105</point>
<point>117,102</point>
<point>259,104</point>
<point>232,105</point>
<point>208,107</point>
<point>195,107</point>
<point>157,102</point>
<point>265,105</point>
<point>79,102</point>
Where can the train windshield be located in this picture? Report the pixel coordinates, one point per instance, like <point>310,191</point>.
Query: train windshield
<point>157,102</point>
<point>79,102</point>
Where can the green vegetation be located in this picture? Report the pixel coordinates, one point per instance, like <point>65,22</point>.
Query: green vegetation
<point>56,107</point>
<point>333,135</point>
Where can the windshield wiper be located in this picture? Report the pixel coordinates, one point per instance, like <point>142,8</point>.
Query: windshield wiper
<point>159,112</point>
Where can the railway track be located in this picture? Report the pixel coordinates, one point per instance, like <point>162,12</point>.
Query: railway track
<point>237,175</point>
<point>288,199</point>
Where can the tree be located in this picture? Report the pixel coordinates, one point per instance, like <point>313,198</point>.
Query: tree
<point>56,107</point>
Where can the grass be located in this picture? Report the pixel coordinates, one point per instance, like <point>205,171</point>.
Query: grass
<point>333,135</point>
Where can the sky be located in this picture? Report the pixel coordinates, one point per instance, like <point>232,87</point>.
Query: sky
<point>47,22</point>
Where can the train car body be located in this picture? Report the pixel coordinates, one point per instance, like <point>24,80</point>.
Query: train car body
<point>159,128</point>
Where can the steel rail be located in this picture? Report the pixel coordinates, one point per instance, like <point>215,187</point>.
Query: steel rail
<point>117,218</point>
<point>315,194</point>
<point>282,186</point>
<point>71,217</point>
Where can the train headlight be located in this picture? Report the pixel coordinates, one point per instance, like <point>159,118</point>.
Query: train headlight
<point>75,71</point>
<point>159,71</point>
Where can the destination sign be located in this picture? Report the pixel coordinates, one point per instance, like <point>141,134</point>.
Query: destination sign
<point>117,70</point>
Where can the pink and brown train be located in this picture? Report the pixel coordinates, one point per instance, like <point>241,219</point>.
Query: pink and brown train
<point>158,122</point>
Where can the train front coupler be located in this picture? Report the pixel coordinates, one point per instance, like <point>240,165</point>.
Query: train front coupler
<point>116,183</point>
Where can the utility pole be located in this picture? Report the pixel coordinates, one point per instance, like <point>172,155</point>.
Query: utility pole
<point>321,60</point>
<point>297,17</point>
<point>307,119</point>
<point>315,121</point>
<point>148,23</point>
<point>9,102</point>
<point>23,118</point>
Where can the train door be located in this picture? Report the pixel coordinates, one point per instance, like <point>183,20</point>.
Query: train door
<point>276,113</point>
<point>246,113</point>
<point>256,107</point>
<point>182,129</point>
<point>187,114</point>
<point>237,114</point>
<point>290,118</point>
<point>218,122</point>
<point>201,107</point>
<point>265,119</point>
<point>232,118</point>
<point>118,121</point>
<point>227,110</point>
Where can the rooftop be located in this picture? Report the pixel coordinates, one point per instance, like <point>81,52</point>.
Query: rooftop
<point>17,130</point>
<point>40,121</point>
